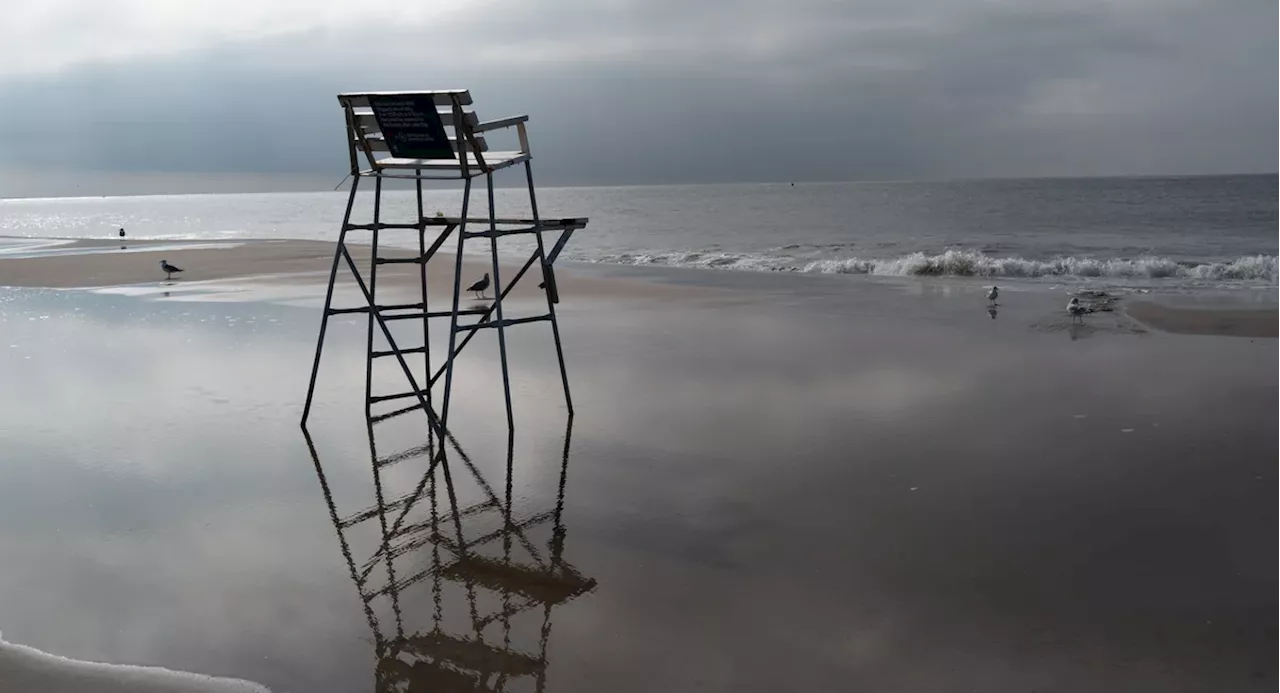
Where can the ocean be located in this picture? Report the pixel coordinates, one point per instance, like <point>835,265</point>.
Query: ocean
<point>1183,233</point>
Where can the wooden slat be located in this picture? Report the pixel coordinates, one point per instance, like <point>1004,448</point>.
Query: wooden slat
<point>370,124</point>
<point>378,144</point>
<point>493,159</point>
<point>442,97</point>
<point>544,224</point>
<point>556,223</point>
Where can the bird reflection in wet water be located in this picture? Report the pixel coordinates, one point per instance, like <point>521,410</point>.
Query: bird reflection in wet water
<point>481,565</point>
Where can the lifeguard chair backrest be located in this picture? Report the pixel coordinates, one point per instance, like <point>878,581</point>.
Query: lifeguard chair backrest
<point>419,125</point>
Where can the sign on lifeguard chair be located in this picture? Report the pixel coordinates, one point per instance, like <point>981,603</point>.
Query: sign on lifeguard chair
<point>411,126</point>
<point>435,135</point>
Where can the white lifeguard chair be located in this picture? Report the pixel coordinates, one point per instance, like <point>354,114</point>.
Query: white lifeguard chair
<point>435,135</point>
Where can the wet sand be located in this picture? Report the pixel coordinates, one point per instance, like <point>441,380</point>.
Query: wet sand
<point>1206,321</point>
<point>824,485</point>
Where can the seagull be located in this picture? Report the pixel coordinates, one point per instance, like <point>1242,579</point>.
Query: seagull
<point>480,286</point>
<point>169,269</point>
<point>993,294</point>
<point>1075,310</point>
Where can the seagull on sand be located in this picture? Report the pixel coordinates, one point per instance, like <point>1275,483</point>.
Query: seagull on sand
<point>480,286</point>
<point>1075,310</point>
<point>993,294</point>
<point>169,269</point>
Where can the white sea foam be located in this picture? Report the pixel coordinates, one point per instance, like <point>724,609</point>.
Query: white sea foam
<point>61,249</point>
<point>28,670</point>
<point>964,263</point>
<point>12,246</point>
<point>733,261</point>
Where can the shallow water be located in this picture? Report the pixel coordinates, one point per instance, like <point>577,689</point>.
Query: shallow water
<point>817,489</point>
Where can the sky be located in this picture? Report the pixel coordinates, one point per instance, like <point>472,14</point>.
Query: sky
<point>139,96</point>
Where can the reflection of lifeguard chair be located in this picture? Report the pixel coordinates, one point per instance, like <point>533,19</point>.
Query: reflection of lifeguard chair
<point>439,658</point>
<point>434,135</point>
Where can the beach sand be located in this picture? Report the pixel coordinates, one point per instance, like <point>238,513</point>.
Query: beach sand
<point>821,484</point>
<point>1206,321</point>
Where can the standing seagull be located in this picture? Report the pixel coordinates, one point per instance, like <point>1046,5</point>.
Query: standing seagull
<point>169,269</point>
<point>993,294</point>
<point>480,286</point>
<point>1075,310</point>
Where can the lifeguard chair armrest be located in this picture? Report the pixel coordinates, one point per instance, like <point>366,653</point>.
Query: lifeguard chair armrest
<point>500,123</point>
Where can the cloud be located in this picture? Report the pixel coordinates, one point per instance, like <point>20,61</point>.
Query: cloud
<point>663,92</point>
<point>49,36</point>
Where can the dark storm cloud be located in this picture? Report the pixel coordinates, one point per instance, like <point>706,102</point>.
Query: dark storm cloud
<point>667,91</point>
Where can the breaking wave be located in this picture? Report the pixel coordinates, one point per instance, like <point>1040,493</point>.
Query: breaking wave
<point>964,263</point>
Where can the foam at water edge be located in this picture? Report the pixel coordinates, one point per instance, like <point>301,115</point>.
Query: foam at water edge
<point>964,263</point>
<point>11,245</point>
<point>28,670</point>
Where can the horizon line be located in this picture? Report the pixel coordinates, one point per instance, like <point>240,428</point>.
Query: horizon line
<point>942,179</point>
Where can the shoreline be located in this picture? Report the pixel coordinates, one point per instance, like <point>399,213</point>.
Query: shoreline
<point>93,264</point>
<point>214,266</point>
